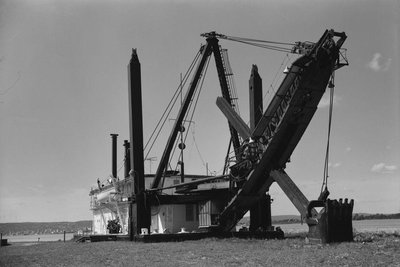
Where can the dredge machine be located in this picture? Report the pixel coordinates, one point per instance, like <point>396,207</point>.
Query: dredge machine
<point>261,150</point>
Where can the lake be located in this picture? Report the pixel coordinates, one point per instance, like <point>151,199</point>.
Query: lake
<point>388,226</point>
<point>35,238</point>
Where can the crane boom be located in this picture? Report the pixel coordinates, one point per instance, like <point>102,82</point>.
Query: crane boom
<point>206,50</point>
<point>284,122</point>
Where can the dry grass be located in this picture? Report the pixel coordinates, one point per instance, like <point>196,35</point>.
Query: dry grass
<point>375,250</point>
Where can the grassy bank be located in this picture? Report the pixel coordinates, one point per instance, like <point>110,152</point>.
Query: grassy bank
<point>378,249</point>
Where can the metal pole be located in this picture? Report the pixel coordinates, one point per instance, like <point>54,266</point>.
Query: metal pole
<point>182,146</point>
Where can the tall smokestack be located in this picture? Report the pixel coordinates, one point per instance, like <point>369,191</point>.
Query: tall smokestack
<point>114,155</point>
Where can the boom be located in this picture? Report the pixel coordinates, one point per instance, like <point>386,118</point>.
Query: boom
<point>284,122</point>
<point>206,50</point>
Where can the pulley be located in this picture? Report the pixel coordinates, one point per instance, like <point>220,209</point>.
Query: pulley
<point>182,146</point>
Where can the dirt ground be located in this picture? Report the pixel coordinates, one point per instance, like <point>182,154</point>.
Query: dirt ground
<point>366,250</point>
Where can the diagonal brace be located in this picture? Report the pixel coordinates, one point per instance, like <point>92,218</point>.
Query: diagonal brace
<point>291,190</point>
<point>235,120</point>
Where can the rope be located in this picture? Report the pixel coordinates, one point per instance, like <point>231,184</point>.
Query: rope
<point>326,166</point>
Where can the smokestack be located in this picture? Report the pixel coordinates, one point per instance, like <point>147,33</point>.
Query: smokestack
<point>127,163</point>
<point>114,155</point>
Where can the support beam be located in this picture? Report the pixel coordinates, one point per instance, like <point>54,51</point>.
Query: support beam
<point>234,119</point>
<point>141,212</point>
<point>255,97</point>
<point>260,214</point>
<point>136,122</point>
<point>291,190</point>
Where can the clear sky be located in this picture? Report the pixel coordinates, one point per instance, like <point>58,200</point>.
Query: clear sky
<point>63,90</point>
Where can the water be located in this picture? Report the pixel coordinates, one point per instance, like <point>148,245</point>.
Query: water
<point>388,226</point>
<point>35,238</point>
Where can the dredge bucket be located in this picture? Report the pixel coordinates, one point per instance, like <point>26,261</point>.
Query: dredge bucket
<point>333,223</point>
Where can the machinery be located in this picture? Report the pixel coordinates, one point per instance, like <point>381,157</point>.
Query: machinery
<point>261,150</point>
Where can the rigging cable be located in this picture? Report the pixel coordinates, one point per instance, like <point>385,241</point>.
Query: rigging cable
<point>198,150</point>
<point>170,106</point>
<point>197,92</point>
<point>257,40</point>
<point>275,80</point>
<point>326,165</point>
<point>259,43</point>
<point>174,98</point>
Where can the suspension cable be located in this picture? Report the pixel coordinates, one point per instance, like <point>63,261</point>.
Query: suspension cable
<point>271,47</point>
<point>256,40</point>
<point>326,165</point>
<point>277,46</point>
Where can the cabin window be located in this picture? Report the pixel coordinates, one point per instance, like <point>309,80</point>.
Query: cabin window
<point>189,212</point>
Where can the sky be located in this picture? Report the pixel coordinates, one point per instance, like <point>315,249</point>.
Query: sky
<point>64,90</point>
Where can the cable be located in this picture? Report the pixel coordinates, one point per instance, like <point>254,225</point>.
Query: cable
<point>198,151</point>
<point>170,105</point>
<point>256,40</point>
<point>190,109</point>
<point>175,94</point>
<point>326,165</point>
<point>271,47</point>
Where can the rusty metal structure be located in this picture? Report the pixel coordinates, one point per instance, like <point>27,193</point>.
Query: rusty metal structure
<point>261,149</point>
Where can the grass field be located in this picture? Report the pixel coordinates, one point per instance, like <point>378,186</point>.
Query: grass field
<point>367,250</point>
